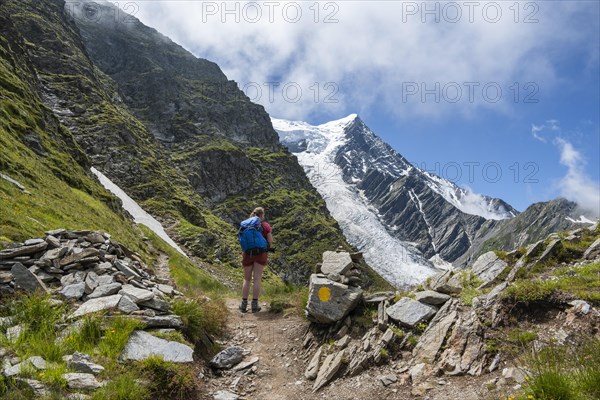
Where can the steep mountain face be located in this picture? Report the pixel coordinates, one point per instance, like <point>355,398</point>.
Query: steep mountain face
<point>413,208</point>
<point>197,157</point>
<point>438,217</point>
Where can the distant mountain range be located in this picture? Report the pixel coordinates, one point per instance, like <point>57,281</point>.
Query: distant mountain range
<point>406,220</point>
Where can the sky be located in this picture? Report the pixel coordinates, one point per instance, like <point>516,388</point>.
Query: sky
<point>500,97</point>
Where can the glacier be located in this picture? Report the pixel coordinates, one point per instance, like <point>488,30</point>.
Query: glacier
<point>395,260</point>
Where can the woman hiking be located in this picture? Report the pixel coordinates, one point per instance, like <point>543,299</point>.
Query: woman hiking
<point>256,239</point>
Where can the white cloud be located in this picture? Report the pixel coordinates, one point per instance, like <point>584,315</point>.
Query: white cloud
<point>576,185</point>
<point>379,51</point>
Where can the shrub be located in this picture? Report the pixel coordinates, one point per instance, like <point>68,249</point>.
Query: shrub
<point>201,318</point>
<point>170,381</point>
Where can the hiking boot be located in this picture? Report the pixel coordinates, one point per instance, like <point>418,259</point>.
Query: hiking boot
<point>243,306</point>
<point>255,306</point>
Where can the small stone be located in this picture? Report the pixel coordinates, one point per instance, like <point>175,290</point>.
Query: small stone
<point>82,362</point>
<point>431,297</point>
<point>81,381</point>
<point>73,292</point>
<point>127,306</point>
<point>227,358</point>
<point>142,345</point>
<point>105,290</point>
<point>137,295</point>
<point>225,395</point>
<point>387,380</point>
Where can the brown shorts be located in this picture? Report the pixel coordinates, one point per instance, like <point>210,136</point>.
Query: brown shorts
<point>248,261</point>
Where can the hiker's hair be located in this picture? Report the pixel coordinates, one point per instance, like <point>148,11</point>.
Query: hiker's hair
<point>258,212</point>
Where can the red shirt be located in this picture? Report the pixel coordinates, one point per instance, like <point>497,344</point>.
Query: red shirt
<point>266,229</point>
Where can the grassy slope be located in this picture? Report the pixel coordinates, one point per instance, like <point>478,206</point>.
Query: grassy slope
<point>61,192</point>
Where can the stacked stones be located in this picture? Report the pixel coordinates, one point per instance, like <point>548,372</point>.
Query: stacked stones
<point>90,267</point>
<point>96,274</point>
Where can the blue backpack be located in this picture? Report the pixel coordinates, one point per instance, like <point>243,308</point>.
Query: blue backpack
<point>251,238</point>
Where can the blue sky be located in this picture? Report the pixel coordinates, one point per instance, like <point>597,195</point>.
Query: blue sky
<point>376,59</point>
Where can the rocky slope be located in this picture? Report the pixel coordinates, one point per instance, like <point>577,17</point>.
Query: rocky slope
<point>195,156</point>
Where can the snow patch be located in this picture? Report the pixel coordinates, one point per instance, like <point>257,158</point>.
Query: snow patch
<point>582,220</point>
<point>132,207</point>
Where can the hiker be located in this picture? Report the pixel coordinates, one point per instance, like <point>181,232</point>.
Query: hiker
<point>256,239</point>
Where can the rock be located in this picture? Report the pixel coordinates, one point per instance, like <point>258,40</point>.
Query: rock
<point>465,348</point>
<point>103,268</point>
<point>5,277</point>
<point>54,253</point>
<point>6,322</point>
<point>73,292</point>
<point>419,373</point>
<point>580,307</point>
<point>81,381</point>
<point>330,367</point>
<point>91,282</point>
<point>39,389</point>
<point>14,332</point>
<point>494,293</point>
<point>439,283</point>
<point>163,321</point>
<point>125,268</point>
<point>410,312</point>
<point>156,304</point>
<point>82,362</point>
<point>513,375</point>
<point>105,290</point>
<point>336,263</point>
<point>593,251</point>
<point>387,380</point>
<point>313,366</point>
<point>553,247</point>
<point>136,294</point>
<point>36,362</point>
<point>378,297</point>
<point>55,232</point>
<point>26,280</point>
<point>166,289</point>
<point>330,301</point>
<point>224,395</point>
<point>76,257</point>
<point>22,250</point>
<point>142,345</point>
<point>73,278</point>
<point>534,249</point>
<point>53,241</point>
<point>488,267</point>
<point>127,306</point>
<point>95,238</point>
<point>227,358</point>
<point>433,337</point>
<point>95,305</point>
<point>245,364</point>
<point>431,297</point>
<point>343,342</point>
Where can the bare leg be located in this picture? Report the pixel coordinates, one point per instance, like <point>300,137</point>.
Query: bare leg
<point>247,279</point>
<point>258,270</point>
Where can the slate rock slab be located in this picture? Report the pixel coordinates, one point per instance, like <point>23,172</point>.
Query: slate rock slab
<point>142,345</point>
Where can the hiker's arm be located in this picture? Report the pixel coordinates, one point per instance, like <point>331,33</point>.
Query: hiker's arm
<point>270,239</point>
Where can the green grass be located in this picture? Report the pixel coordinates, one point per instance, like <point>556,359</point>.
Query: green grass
<point>582,283</point>
<point>564,373</point>
<point>116,336</point>
<point>125,385</point>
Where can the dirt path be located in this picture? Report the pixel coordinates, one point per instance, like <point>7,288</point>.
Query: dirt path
<point>277,341</point>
